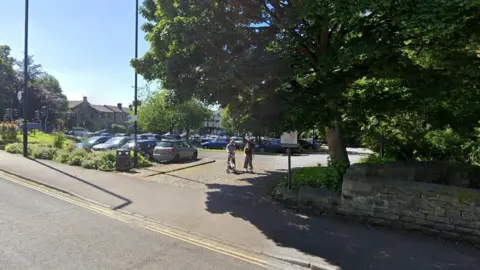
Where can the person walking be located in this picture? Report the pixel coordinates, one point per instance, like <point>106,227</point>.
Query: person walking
<point>231,149</point>
<point>248,163</point>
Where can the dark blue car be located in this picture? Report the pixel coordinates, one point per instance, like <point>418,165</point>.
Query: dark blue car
<point>274,146</point>
<point>219,143</point>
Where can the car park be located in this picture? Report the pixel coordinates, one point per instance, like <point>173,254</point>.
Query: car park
<point>174,150</point>
<point>275,146</point>
<point>111,144</point>
<point>88,143</point>
<point>218,143</point>
<point>144,147</point>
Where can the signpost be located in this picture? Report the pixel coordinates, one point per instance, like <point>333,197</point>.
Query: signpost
<point>132,118</point>
<point>20,96</point>
<point>289,140</point>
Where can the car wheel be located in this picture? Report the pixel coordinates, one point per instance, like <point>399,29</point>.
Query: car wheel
<point>195,155</point>
<point>147,156</point>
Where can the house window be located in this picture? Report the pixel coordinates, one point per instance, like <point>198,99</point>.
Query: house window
<point>93,115</point>
<point>103,115</point>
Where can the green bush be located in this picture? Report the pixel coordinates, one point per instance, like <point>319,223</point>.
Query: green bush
<point>62,156</point>
<point>9,131</point>
<point>142,161</point>
<point>329,177</point>
<point>14,148</point>
<point>119,128</point>
<point>59,140</point>
<point>375,158</point>
<point>107,161</point>
<point>77,156</point>
<point>43,152</point>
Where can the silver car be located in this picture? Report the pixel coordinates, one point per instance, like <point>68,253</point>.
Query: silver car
<point>174,150</point>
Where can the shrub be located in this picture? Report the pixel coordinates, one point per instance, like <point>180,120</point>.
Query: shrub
<point>59,140</point>
<point>142,161</point>
<point>76,157</point>
<point>118,128</point>
<point>75,160</point>
<point>61,156</point>
<point>9,131</point>
<point>107,161</point>
<point>43,152</point>
<point>14,148</point>
<point>375,158</point>
<point>329,177</point>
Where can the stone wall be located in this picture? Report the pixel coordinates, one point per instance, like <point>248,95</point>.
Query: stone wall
<point>409,196</point>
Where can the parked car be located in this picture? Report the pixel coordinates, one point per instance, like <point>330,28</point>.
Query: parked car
<point>112,143</point>
<point>149,136</point>
<point>174,150</point>
<point>92,141</point>
<point>172,136</point>
<point>218,143</point>
<point>309,143</point>
<point>144,147</point>
<point>275,146</point>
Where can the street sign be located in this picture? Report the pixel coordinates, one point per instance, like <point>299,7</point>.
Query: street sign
<point>132,118</point>
<point>289,139</point>
<point>20,95</point>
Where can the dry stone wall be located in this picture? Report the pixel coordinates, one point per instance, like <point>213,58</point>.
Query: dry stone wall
<point>407,195</point>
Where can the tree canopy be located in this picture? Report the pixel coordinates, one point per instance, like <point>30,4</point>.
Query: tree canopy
<point>298,64</point>
<point>157,115</point>
<point>44,89</point>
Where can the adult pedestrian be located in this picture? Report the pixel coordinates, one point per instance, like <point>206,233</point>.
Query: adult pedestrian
<point>231,149</point>
<point>248,163</point>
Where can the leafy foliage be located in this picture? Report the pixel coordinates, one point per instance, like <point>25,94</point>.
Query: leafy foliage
<point>9,131</point>
<point>119,128</point>
<point>158,115</point>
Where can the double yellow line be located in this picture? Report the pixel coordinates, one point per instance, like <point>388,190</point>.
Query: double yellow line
<point>132,220</point>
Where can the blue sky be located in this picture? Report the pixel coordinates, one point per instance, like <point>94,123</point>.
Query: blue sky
<point>86,45</point>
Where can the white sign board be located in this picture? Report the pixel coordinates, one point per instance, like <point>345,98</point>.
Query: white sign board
<point>132,118</point>
<point>289,139</point>
<point>20,95</point>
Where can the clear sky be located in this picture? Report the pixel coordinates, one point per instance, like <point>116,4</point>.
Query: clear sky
<point>85,44</point>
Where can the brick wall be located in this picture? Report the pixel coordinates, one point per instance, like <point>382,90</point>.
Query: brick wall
<point>408,196</point>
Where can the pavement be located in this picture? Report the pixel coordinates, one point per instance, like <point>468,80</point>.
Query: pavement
<point>38,231</point>
<point>236,210</point>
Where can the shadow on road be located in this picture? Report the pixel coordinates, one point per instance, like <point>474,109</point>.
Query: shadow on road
<point>348,246</point>
<point>126,201</point>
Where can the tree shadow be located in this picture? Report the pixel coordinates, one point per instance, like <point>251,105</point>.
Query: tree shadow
<point>120,206</point>
<point>346,245</point>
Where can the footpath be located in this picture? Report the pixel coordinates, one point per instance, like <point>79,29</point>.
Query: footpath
<point>239,213</point>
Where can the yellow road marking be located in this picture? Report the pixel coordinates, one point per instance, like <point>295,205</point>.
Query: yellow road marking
<point>115,215</point>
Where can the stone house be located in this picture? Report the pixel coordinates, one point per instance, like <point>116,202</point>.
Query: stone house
<point>97,117</point>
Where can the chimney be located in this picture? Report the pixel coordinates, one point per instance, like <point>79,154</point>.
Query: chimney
<point>85,99</point>
<point>119,105</point>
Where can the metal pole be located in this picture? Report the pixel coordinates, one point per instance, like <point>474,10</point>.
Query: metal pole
<point>25,86</point>
<point>289,168</point>
<point>135,151</point>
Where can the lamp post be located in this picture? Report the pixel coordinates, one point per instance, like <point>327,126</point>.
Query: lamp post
<point>135,103</point>
<point>25,86</point>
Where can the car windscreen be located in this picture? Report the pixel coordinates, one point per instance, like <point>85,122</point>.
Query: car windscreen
<point>165,144</point>
<point>115,140</point>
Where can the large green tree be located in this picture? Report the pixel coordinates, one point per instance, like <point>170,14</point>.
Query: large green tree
<point>158,115</point>
<point>301,62</point>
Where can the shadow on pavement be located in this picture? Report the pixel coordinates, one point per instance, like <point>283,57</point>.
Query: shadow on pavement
<point>345,245</point>
<point>126,201</point>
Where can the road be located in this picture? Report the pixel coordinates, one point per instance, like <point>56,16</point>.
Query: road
<point>42,232</point>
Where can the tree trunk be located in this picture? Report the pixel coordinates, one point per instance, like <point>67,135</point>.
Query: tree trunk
<point>336,145</point>
<point>187,135</point>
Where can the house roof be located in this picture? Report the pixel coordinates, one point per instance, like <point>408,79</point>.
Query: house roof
<point>100,108</point>
<point>126,110</point>
<point>113,108</point>
<point>74,103</point>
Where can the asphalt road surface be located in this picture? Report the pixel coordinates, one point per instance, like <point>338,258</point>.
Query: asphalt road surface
<point>42,232</point>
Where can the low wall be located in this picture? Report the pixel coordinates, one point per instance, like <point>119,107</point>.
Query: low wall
<point>409,196</point>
